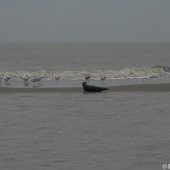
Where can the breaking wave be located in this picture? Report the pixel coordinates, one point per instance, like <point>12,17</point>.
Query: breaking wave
<point>128,73</point>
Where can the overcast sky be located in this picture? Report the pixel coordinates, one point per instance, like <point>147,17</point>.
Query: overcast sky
<point>84,20</point>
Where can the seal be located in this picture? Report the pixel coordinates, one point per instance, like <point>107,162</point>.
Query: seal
<point>90,88</point>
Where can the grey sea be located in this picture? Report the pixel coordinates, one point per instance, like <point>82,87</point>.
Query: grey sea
<point>74,130</point>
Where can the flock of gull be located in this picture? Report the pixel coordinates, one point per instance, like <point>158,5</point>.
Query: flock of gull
<point>36,78</point>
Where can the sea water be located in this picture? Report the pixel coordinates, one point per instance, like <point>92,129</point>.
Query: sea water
<point>80,131</point>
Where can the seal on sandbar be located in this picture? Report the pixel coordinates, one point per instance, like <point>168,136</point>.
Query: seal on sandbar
<point>90,88</point>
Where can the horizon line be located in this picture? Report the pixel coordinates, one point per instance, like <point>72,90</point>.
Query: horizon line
<point>81,42</point>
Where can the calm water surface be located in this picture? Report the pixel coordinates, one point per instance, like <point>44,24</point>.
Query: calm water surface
<point>84,131</point>
<point>33,57</point>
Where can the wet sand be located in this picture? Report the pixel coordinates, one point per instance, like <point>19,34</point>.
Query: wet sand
<point>142,87</point>
<point>120,88</point>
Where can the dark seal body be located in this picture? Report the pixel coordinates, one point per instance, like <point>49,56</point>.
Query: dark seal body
<point>90,88</point>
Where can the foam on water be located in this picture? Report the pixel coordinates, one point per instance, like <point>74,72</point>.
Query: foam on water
<point>127,73</point>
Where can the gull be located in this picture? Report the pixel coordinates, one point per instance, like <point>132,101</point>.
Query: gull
<point>87,77</point>
<point>57,77</point>
<point>6,79</point>
<point>1,78</point>
<point>36,80</point>
<point>26,78</point>
<point>103,78</point>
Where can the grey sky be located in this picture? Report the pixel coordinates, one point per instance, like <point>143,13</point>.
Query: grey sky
<point>84,20</point>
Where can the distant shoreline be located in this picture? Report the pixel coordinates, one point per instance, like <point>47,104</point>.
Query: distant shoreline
<point>120,88</point>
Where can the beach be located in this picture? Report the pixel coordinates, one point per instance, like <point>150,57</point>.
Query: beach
<point>121,88</point>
